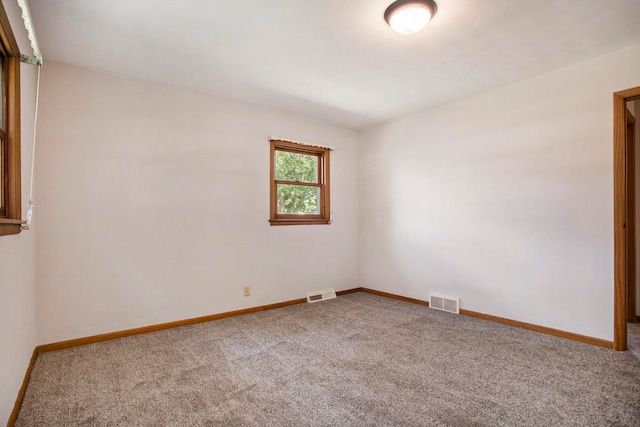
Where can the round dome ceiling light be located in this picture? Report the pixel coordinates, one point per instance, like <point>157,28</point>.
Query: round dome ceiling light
<point>410,16</point>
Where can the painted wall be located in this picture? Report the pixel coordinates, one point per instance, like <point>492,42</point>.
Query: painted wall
<point>155,204</point>
<point>504,199</point>
<point>17,253</point>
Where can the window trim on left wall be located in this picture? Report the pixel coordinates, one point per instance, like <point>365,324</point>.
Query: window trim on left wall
<point>11,215</point>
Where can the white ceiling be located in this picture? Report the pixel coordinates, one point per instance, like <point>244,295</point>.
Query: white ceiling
<point>332,60</point>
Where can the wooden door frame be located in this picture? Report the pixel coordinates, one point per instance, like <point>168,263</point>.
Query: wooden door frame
<point>631,216</point>
<point>619,215</point>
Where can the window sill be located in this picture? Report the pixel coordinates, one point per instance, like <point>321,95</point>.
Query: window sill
<point>9,227</point>
<point>289,221</point>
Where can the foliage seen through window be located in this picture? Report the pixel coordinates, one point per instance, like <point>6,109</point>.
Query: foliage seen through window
<point>295,167</point>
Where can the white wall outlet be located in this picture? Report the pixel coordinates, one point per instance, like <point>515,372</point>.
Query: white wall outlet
<point>247,291</point>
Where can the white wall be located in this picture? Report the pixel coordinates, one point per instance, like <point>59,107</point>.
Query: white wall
<point>17,254</point>
<point>504,199</point>
<point>154,207</point>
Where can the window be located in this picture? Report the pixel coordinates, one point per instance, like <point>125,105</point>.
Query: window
<point>10,197</point>
<point>299,184</point>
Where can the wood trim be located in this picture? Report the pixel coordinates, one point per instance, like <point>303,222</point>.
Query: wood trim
<point>272,179</point>
<point>294,146</point>
<point>7,229</point>
<point>619,251</point>
<point>523,325</point>
<point>160,327</point>
<point>323,155</point>
<point>394,296</point>
<point>298,221</point>
<point>629,94</point>
<point>14,193</point>
<point>5,221</point>
<point>326,186</point>
<point>631,214</point>
<point>619,214</point>
<point>7,39</point>
<point>300,183</point>
<point>169,325</point>
<point>176,324</point>
<point>22,391</point>
<point>12,137</point>
<point>541,329</point>
<point>348,291</point>
<point>192,321</point>
<point>11,122</point>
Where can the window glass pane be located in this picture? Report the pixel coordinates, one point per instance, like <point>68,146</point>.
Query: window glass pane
<point>298,199</point>
<point>296,167</point>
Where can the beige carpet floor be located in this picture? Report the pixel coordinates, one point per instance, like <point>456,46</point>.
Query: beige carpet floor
<point>633,339</point>
<point>359,360</point>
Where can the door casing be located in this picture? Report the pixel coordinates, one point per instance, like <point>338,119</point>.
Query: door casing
<point>620,213</point>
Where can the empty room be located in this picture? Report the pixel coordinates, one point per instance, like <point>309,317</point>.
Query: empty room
<point>319,212</point>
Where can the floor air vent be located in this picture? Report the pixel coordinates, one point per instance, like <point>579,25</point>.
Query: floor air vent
<point>439,302</point>
<point>321,295</point>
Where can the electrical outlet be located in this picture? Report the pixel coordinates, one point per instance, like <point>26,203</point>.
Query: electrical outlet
<point>247,291</point>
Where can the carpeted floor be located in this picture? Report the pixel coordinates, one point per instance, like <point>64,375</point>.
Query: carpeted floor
<point>633,339</point>
<point>358,360</point>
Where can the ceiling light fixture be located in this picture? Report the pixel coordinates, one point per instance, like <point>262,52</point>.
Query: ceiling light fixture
<point>410,16</point>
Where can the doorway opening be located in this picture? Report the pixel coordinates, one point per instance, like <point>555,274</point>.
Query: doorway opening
<point>624,217</point>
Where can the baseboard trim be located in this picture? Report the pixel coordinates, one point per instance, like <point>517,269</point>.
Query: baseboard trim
<point>61,345</point>
<point>523,325</point>
<point>23,389</point>
<point>541,329</point>
<point>348,291</point>
<point>394,296</point>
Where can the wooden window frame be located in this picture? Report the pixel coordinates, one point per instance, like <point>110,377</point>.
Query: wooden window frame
<point>11,211</point>
<point>324,217</point>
